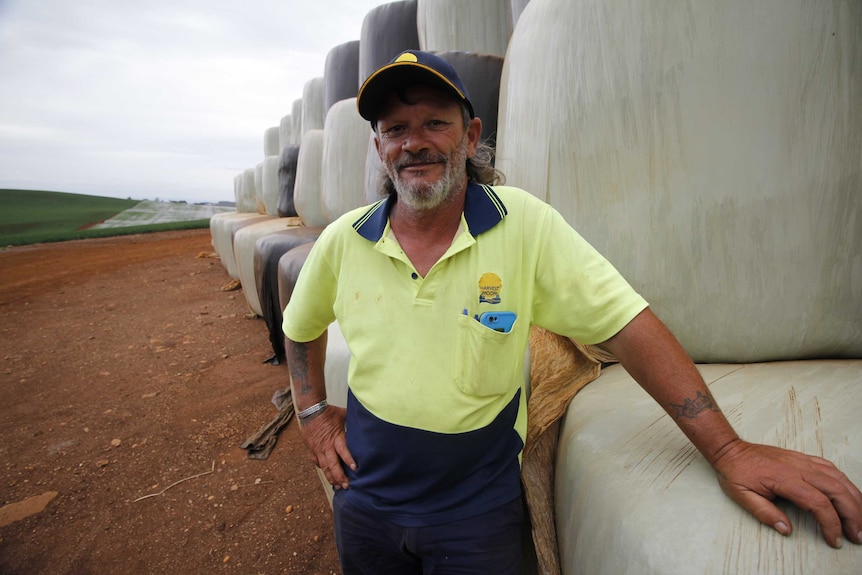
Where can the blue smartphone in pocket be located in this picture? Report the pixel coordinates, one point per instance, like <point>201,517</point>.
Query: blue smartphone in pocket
<point>501,321</point>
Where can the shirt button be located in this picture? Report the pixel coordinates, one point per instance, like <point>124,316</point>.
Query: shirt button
<point>414,275</point>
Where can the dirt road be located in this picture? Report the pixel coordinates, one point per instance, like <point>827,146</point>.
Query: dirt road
<point>126,369</point>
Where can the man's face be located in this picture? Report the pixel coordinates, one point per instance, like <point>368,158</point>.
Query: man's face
<point>424,146</point>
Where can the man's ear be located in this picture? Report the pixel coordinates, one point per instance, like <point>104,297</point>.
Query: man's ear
<point>377,146</point>
<point>474,133</point>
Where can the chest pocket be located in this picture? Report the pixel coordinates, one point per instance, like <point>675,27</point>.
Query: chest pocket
<point>486,361</point>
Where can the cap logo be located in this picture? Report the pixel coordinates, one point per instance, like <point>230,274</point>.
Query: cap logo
<point>407,57</point>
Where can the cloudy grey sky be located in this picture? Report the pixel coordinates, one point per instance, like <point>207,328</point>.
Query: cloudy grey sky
<point>154,99</point>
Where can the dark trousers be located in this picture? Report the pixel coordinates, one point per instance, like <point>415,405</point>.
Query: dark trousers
<point>486,544</point>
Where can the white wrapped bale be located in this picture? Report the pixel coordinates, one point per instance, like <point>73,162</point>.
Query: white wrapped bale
<point>244,240</point>
<point>285,137</point>
<point>516,7</point>
<point>479,26</point>
<point>701,161</point>
<point>308,188</point>
<point>345,143</point>
<point>481,75</point>
<point>237,189</point>
<point>269,185</point>
<point>258,188</point>
<point>313,110</point>
<point>387,31</point>
<point>375,174</point>
<point>634,496</point>
<point>246,202</point>
<point>296,121</point>
<point>222,229</point>
<point>341,73</point>
<point>287,165</point>
<point>271,145</point>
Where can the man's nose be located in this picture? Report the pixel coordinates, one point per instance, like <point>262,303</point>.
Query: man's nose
<point>414,141</point>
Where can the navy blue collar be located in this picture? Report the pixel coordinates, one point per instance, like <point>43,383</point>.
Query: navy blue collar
<point>483,210</point>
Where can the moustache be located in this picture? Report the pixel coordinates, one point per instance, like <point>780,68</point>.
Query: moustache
<point>409,158</point>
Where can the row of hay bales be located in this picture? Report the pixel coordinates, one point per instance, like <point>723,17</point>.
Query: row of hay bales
<point>711,150</point>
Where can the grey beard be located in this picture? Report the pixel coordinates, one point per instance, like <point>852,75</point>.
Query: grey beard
<point>420,197</point>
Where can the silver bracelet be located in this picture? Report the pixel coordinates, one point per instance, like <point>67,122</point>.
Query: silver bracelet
<point>309,411</point>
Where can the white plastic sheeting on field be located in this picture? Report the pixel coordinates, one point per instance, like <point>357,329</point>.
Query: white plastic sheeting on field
<point>478,26</point>
<point>345,141</point>
<point>712,154</point>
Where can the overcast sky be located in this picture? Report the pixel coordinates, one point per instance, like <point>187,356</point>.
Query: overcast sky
<point>154,99</point>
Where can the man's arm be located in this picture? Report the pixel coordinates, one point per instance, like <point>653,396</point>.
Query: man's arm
<point>323,431</point>
<point>751,474</point>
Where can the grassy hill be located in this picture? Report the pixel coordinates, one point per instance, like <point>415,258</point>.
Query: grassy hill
<point>30,216</point>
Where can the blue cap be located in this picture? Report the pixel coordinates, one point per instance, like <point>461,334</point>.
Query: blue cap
<point>407,68</point>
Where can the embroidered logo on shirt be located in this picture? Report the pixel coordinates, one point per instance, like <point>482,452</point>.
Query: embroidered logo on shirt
<point>490,285</point>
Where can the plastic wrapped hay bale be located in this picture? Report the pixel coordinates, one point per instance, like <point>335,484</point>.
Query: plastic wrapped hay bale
<point>481,74</point>
<point>222,229</point>
<point>345,142</point>
<point>267,253</point>
<point>313,110</point>
<point>479,26</point>
<point>285,137</point>
<point>244,241</point>
<point>289,266</point>
<point>287,164</point>
<point>341,73</point>
<point>700,161</point>
<point>258,188</point>
<point>296,121</point>
<point>246,202</point>
<point>516,7</point>
<point>387,31</point>
<point>269,185</point>
<point>271,145</point>
<point>375,173</point>
<point>307,191</point>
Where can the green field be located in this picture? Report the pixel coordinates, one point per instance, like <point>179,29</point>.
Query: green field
<point>29,216</point>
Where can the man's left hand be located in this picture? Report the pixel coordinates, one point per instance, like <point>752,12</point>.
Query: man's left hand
<point>754,475</point>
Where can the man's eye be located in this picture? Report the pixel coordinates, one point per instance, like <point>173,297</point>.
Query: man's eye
<point>394,130</point>
<point>437,124</point>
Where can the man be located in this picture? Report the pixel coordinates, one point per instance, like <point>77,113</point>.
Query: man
<point>435,289</point>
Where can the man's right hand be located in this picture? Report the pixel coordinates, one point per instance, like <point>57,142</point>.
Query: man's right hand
<point>327,443</point>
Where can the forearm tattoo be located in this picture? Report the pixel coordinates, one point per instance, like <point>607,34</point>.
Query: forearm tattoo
<point>298,364</point>
<point>691,408</point>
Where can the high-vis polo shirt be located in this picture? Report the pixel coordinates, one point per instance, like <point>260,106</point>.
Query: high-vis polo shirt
<point>436,414</point>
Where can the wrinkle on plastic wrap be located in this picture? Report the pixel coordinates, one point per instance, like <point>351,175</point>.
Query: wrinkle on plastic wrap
<point>287,165</point>
<point>267,253</point>
<point>387,31</point>
<point>341,73</point>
